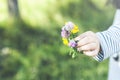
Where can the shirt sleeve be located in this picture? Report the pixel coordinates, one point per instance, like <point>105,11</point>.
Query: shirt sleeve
<point>109,39</point>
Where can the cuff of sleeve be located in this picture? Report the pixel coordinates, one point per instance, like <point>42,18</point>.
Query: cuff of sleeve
<point>99,57</point>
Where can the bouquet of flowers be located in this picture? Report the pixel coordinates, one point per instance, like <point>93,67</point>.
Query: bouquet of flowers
<point>68,33</point>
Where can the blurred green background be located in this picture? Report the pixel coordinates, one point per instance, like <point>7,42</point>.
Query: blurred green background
<point>30,41</point>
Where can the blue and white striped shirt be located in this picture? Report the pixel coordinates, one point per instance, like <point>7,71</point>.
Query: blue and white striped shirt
<point>110,39</point>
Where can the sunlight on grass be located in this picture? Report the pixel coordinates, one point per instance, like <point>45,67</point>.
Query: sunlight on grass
<point>3,11</point>
<point>39,12</point>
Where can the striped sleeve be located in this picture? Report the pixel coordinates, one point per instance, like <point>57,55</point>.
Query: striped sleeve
<point>110,43</point>
<point>109,40</point>
<point>99,57</point>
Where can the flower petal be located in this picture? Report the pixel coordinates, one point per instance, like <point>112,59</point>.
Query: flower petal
<point>75,29</point>
<point>65,41</point>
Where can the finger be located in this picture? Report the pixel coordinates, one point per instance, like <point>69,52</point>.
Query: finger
<point>90,53</point>
<point>85,41</point>
<point>81,36</point>
<point>88,47</point>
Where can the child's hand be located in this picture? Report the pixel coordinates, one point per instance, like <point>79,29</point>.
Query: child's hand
<point>88,42</point>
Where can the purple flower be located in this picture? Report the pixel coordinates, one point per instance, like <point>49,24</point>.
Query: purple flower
<point>72,43</point>
<point>69,26</point>
<point>65,34</point>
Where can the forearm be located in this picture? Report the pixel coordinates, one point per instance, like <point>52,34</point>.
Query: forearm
<point>109,39</point>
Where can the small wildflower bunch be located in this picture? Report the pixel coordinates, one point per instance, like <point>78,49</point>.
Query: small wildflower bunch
<point>68,33</point>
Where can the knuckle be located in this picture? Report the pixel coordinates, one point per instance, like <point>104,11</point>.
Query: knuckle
<point>89,39</point>
<point>90,33</point>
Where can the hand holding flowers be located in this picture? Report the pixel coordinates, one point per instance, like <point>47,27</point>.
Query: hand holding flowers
<point>87,42</point>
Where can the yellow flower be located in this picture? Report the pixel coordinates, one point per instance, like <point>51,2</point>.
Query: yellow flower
<point>75,29</point>
<point>65,41</point>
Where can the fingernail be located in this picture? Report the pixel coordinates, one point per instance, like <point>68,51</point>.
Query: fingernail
<point>76,39</point>
<point>78,49</point>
